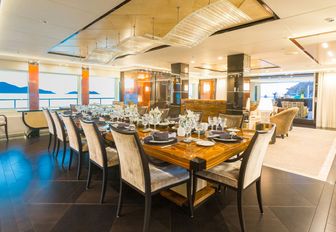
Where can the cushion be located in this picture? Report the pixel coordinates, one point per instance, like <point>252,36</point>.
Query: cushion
<point>165,176</point>
<point>225,173</point>
<point>112,157</point>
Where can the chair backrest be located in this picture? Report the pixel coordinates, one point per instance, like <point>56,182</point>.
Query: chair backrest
<point>60,131</point>
<point>232,121</point>
<point>50,121</point>
<point>164,113</point>
<point>132,159</point>
<point>75,141</point>
<point>253,157</point>
<point>97,152</point>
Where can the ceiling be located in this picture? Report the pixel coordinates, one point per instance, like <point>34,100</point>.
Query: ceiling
<point>32,28</point>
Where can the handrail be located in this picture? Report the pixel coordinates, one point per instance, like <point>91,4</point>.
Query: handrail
<point>14,101</point>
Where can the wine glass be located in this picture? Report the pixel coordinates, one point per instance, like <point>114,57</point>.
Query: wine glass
<point>145,120</point>
<point>219,123</point>
<point>210,121</point>
<point>199,128</point>
<point>215,122</point>
<point>188,128</point>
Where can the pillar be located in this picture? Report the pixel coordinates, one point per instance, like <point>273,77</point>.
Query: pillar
<point>33,85</point>
<point>85,86</point>
<point>181,82</point>
<point>237,64</point>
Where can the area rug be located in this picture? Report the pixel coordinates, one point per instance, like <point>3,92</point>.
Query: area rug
<point>307,152</point>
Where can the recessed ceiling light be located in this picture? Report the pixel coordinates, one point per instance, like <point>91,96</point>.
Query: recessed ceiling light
<point>325,45</point>
<point>193,62</point>
<point>220,58</point>
<point>330,53</point>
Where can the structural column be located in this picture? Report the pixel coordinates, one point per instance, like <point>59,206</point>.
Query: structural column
<point>85,86</point>
<point>33,85</point>
<point>237,64</point>
<point>181,82</point>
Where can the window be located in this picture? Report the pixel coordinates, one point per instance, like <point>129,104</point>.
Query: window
<point>13,90</point>
<point>58,90</point>
<point>103,89</point>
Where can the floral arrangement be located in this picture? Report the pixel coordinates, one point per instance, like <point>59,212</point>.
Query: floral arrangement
<point>188,120</point>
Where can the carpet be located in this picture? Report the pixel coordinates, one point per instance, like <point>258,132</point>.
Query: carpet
<point>308,152</point>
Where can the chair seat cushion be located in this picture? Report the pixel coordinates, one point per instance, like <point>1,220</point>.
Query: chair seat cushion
<point>112,157</point>
<point>162,177</point>
<point>225,173</point>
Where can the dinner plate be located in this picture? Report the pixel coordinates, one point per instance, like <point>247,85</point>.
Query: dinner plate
<point>205,143</point>
<point>226,140</point>
<point>233,130</point>
<point>159,141</point>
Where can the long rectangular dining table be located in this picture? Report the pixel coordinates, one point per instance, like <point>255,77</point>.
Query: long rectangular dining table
<point>194,158</point>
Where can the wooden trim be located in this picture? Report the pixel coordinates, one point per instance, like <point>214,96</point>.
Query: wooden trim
<point>296,43</point>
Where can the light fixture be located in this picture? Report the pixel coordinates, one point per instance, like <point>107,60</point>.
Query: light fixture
<point>192,62</point>
<point>185,88</point>
<point>325,45</point>
<point>330,53</point>
<point>202,23</point>
<point>147,89</point>
<point>220,58</point>
<point>206,87</point>
<point>246,86</point>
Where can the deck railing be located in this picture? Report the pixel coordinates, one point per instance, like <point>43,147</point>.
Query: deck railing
<point>22,103</point>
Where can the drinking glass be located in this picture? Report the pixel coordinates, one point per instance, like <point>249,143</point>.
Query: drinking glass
<point>145,120</point>
<point>199,128</point>
<point>210,121</point>
<point>215,122</point>
<point>219,122</point>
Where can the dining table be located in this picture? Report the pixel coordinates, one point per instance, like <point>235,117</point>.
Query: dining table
<point>193,157</point>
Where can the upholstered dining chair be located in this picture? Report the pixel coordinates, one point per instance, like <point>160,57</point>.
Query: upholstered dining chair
<point>240,173</point>
<point>77,144</point>
<point>51,128</point>
<point>60,133</point>
<point>144,177</point>
<point>99,155</point>
<point>232,121</point>
<point>4,123</point>
<point>164,113</point>
<point>284,121</point>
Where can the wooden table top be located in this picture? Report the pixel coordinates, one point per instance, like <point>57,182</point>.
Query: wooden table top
<point>193,156</point>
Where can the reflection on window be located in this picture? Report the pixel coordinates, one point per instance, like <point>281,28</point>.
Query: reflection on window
<point>103,89</point>
<point>13,90</point>
<point>58,90</point>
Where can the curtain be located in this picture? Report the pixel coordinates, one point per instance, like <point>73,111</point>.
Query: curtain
<point>326,101</point>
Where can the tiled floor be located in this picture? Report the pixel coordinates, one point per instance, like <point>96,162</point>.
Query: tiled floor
<point>36,194</point>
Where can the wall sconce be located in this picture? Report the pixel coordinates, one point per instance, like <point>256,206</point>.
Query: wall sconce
<point>206,87</point>
<point>139,98</point>
<point>129,84</point>
<point>147,89</point>
<point>246,86</point>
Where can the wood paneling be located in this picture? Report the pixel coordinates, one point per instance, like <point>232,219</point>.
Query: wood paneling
<point>207,89</point>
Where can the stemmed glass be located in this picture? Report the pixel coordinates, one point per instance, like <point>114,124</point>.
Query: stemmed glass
<point>219,122</point>
<point>199,128</point>
<point>223,123</point>
<point>210,121</point>
<point>156,120</point>
<point>145,120</point>
<point>215,122</point>
<point>188,128</point>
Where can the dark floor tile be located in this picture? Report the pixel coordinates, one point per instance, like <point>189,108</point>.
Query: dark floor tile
<point>87,218</point>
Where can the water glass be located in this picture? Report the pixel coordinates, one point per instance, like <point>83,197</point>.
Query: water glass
<point>199,128</point>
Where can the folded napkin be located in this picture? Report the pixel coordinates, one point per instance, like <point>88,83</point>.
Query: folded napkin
<point>160,136</point>
<point>225,135</point>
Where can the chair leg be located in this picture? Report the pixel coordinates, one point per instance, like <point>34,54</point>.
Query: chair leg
<point>194,188</point>
<point>55,142</point>
<point>189,193</point>
<point>57,147</point>
<point>6,132</point>
<point>120,200</point>
<point>70,159</point>
<point>103,185</point>
<point>79,165</point>
<point>258,187</point>
<point>49,143</point>
<point>89,176</point>
<point>64,151</point>
<point>148,199</point>
<point>240,210</point>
